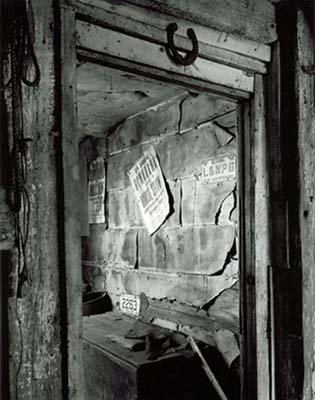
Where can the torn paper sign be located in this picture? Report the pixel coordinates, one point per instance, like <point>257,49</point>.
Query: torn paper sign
<point>97,191</point>
<point>149,187</point>
<point>219,169</point>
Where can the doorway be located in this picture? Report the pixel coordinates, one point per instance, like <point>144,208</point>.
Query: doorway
<point>246,92</point>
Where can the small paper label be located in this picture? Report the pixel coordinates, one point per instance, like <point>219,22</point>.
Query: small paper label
<point>219,169</point>
<point>130,304</point>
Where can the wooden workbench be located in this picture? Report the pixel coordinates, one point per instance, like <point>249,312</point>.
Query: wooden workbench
<point>114,372</point>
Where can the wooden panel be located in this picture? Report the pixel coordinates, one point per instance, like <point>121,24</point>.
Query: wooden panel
<point>71,189</point>
<point>106,376</point>
<point>253,19</point>
<point>116,44</point>
<point>150,25</point>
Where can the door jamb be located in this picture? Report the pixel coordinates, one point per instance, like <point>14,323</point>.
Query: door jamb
<point>254,206</point>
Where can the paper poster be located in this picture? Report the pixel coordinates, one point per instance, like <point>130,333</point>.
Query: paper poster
<point>150,190</point>
<point>97,191</point>
<point>219,169</point>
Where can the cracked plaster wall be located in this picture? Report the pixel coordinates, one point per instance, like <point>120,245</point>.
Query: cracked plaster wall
<point>192,258</point>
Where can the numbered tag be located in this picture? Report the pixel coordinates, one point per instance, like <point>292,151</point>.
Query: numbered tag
<point>130,304</point>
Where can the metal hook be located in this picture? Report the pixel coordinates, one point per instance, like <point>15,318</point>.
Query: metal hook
<point>172,51</point>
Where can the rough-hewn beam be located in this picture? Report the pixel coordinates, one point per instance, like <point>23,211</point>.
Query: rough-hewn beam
<point>34,308</point>
<point>71,210</point>
<point>253,18</point>
<point>306,145</point>
<point>126,47</point>
<point>151,26</point>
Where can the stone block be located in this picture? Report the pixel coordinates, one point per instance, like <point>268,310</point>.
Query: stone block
<point>195,250</point>
<point>112,246</point>
<point>195,290</point>
<point>181,155</point>
<point>208,200</point>
<point>153,123</point>
<point>188,201</point>
<point>120,164</point>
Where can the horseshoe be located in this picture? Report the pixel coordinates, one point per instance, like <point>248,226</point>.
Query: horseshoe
<point>172,51</point>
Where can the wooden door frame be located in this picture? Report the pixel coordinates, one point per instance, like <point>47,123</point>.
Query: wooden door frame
<point>254,201</point>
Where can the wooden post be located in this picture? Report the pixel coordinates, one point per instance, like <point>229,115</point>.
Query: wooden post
<point>71,195</point>
<point>247,266</point>
<point>261,239</point>
<point>306,145</point>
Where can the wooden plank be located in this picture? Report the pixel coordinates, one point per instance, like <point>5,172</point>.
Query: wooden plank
<point>246,254</point>
<point>116,44</point>
<point>228,17</point>
<point>232,51</point>
<point>71,188</point>
<point>282,133</point>
<point>223,314</point>
<point>306,145</point>
<point>177,80</point>
<point>261,241</point>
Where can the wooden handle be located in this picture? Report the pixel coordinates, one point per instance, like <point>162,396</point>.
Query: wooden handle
<point>207,369</point>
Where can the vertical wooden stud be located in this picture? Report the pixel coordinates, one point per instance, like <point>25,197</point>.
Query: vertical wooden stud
<point>71,182</point>
<point>306,144</point>
<point>261,239</point>
<point>247,271</point>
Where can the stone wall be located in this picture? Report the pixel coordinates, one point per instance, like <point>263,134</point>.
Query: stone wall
<point>192,258</point>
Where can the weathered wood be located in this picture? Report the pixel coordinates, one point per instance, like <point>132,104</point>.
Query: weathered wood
<point>254,20</point>
<point>6,223</point>
<point>153,19</point>
<point>34,313</point>
<point>306,145</point>
<point>223,314</point>
<point>114,372</point>
<point>181,81</point>
<point>282,132</point>
<point>261,240</point>
<point>151,27</point>
<point>246,255</point>
<point>117,44</point>
<point>207,369</point>
<point>71,190</point>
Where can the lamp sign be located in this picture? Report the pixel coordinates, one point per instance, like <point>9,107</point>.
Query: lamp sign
<point>219,169</point>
